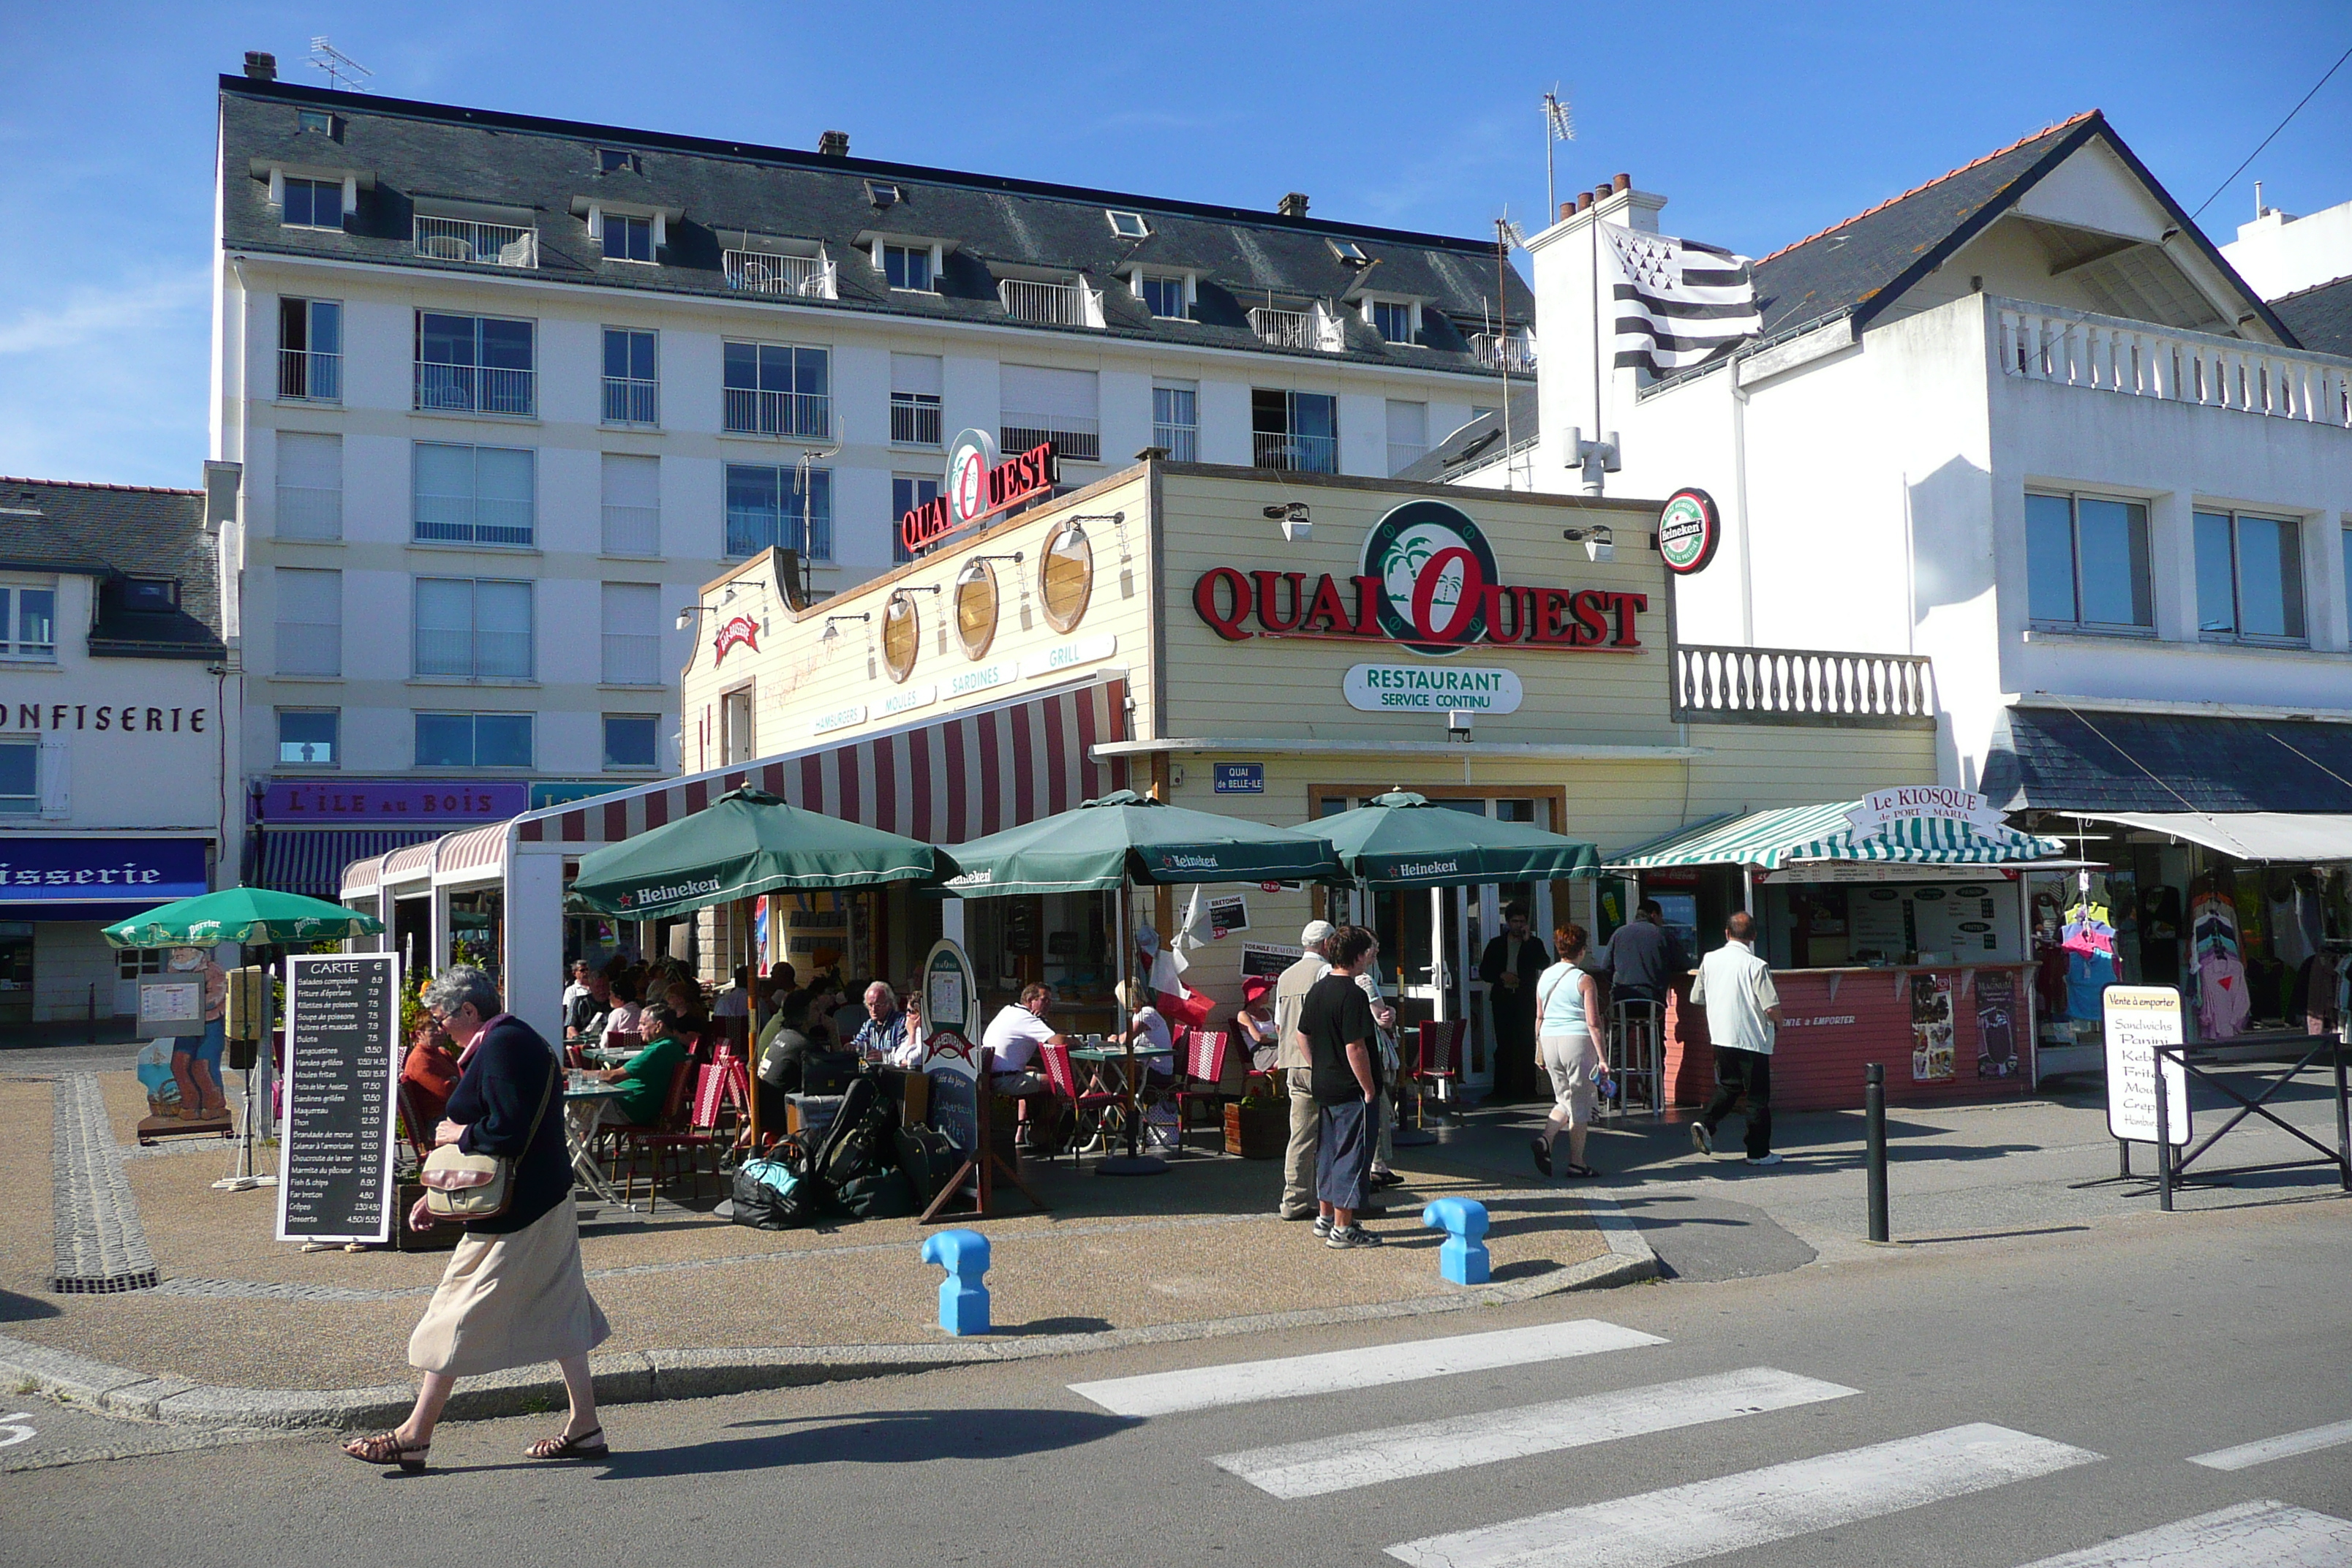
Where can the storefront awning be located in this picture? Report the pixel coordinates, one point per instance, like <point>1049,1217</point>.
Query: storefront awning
<point>2298,837</point>
<point>312,860</point>
<point>2083,760</point>
<point>1773,838</point>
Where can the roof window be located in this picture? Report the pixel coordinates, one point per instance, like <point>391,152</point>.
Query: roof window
<point>614,161</point>
<point>1127,225</point>
<point>154,594</point>
<point>317,119</point>
<point>882,193</point>
<point>1350,253</point>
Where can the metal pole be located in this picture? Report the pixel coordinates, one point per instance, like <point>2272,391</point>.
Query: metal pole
<point>1873,1113</point>
<point>2342,1116</point>
<point>2123,1156</point>
<point>2163,1136</point>
<point>1130,1163</point>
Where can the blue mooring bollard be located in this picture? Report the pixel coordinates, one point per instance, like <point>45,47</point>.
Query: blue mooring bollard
<point>963,1300</point>
<point>1463,1259</point>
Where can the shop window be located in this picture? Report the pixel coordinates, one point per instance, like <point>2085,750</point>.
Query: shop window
<point>1176,420</point>
<point>28,623</point>
<point>908,491</point>
<point>975,608</point>
<point>473,740</point>
<point>135,963</point>
<point>2087,563</point>
<point>20,778</point>
<point>779,508</point>
<point>2248,578</point>
<point>631,739</point>
<point>307,737</point>
<point>901,635</point>
<point>473,629</point>
<point>1066,576</point>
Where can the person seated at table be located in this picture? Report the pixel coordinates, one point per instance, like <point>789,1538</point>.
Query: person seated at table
<point>735,1002</point>
<point>850,1016</point>
<point>1015,1034</point>
<point>645,1078</point>
<point>784,1049</point>
<point>882,1037</point>
<point>585,1003</point>
<point>428,1077</point>
<point>620,1030</point>
<point>1255,1023</point>
<point>1147,1028</point>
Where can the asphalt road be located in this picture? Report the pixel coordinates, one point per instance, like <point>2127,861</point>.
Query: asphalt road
<point>2082,1372</point>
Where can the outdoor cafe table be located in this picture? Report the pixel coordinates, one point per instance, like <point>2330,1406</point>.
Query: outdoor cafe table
<point>583,1101</point>
<point>1131,1062</point>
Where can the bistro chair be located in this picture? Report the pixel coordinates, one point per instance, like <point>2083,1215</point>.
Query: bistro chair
<point>1061,1079</point>
<point>1201,1056</point>
<point>718,1089</point>
<point>1437,1059</point>
<point>655,1136</point>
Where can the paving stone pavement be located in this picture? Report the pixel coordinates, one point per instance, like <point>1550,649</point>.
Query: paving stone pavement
<point>101,1247</point>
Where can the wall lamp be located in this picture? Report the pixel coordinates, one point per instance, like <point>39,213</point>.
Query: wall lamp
<point>832,631</point>
<point>1292,515</point>
<point>686,616</point>
<point>1600,542</point>
<point>1077,525</point>
<point>972,561</point>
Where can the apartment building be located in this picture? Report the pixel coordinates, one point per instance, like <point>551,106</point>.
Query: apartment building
<point>507,391</point>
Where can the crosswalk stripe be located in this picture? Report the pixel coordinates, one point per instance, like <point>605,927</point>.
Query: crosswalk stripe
<point>2286,1445</point>
<point>1703,1518</point>
<point>2265,1534</point>
<point>1333,1372</point>
<point>1456,1443</point>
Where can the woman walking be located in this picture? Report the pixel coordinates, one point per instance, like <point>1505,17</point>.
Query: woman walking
<point>1568,1045</point>
<point>513,1294</point>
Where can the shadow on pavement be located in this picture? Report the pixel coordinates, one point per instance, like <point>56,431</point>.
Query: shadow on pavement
<point>891,1437</point>
<point>15,1308</point>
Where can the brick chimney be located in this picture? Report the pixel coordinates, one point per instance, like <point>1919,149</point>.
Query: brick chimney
<point>1293,206</point>
<point>833,145</point>
<point>260,66</point>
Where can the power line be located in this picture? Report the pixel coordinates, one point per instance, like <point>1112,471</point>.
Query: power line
<point>2257,153</point>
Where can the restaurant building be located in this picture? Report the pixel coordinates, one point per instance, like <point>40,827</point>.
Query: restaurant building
<point>1277,645</point>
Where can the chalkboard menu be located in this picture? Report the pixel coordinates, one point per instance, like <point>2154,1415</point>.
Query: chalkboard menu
<point>342,1061</point>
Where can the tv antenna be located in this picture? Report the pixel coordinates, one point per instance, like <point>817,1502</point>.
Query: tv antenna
<point>344,74</point>
<point>1507,234</point>
<point>1559,125</point>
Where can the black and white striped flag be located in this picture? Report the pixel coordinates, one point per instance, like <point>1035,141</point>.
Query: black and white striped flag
<point>1679,303</point>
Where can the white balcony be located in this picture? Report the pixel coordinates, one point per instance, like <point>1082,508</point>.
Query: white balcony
<point>1294,453</point>
<point>2138,360</point>
<point>794,415</point>
<point>629,400</point>
<point>311,377</point>
<point>1315,330</point>
<point>461,239</point>
<point>475,389</point>
<point>1512,352</point>
<point>631,530</point>
<point>793,277</point>
<point>1050,304</point>
<point>1073,436</point>
<point>914,419</point>
<point>1183,441</point>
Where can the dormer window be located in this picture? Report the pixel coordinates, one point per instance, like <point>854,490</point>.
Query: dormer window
<point>1167,295</point>
<point>1127,224</point>
<point>153,595</point>
<point>908,267</point>
<point>318,120</point>
<point>614,161</point>
<point>882,193</point>
<point>628,238</point>
<point>1396,321</point>
<point>313,203</point>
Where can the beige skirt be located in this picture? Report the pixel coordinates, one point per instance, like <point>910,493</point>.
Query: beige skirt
<point>511,1301</point>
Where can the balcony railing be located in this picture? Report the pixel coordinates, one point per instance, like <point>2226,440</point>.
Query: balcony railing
<point>1297,453</point>
<point>1080,440</point>
<point>309,512</point>
<point>628,401</point>
<point>632,659</point>
<point>1183,441</point>
<point>317,377</point>
<point>795,416</point>
<point>461,239</point>
<point>1514,352</point>
<point>1050,304</point>
<point>475,389</point>
<point>631,530</point>
<point>759,272</point>
<point>914,423</point>
<point>473,519</point>
<point>1314,329</point>
<point>1791,686</point>
<point>2138,360</point>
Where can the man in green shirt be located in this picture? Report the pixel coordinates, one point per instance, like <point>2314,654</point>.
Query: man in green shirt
<point>644,1078</point>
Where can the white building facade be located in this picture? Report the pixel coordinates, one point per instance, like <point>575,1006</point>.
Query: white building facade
<point>507,391</point>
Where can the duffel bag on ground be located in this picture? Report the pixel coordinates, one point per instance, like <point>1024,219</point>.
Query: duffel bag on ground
<point>773,1195</point>
<point>885,1195</point>
<point>927,1158</point>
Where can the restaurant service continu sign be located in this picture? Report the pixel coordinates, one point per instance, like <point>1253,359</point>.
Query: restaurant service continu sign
<point>1426,580</point>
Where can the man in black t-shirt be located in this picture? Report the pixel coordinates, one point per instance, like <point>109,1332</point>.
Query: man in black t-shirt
<point>1344,1072</point>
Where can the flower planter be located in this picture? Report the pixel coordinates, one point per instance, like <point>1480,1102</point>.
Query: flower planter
<point>1257,1131</point>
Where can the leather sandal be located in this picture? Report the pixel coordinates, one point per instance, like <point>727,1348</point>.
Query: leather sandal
<point>386,1448</point>
<point>589,1445</point>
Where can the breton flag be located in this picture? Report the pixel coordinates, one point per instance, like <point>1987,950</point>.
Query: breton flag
<point>1679,303</point>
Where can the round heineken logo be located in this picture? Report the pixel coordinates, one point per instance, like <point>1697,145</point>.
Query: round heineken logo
<point>1688,530</point>
<point>1434,567</point>
<point>969,460</point>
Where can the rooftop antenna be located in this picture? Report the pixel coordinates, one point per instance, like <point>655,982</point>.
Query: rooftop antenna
<point>1506,235</point>
<point>1559,125</point>
<point>344,74</point>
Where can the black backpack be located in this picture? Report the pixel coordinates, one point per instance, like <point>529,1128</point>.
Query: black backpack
<point>927,1158</point>
<point>859,1141</point>
<point>883,1195</point>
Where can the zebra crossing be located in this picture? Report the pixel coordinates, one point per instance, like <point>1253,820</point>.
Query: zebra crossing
<point>1694,1521</point>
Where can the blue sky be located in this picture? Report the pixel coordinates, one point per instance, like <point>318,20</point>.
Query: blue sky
<point>1761,123</point>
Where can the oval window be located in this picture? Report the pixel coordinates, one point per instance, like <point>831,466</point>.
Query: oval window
<point>901,635</point>
<point>975,608</point>
<point>1066,578</point>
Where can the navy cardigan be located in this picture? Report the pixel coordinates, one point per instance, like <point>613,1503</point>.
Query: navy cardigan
<point>496,1098</point>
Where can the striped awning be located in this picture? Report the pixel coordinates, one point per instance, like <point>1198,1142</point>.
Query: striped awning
<point>310,860</point>
<point>1771,839</point>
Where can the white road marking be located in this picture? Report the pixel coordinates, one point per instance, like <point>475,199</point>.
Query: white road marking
<point>1704,1519</point>
<point>1432,1447</point>
<point>1336,1371</point>
<point>2267,1534</point>
<point>2286,1445</point>
<point>13,1433</point>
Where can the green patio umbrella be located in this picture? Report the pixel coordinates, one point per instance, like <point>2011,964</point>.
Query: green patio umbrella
<point>255,915</point>
<point>1404,840</point>
<point>1122,837</point>
<point>747,842</point>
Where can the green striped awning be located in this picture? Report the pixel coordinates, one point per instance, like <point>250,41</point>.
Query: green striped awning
<point>1773,838</point>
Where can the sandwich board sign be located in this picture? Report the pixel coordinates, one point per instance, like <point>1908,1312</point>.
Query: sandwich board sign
<point>2139,1018</point>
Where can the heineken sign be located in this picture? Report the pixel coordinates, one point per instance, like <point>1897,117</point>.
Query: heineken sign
<point>1688,530</point>
<point>1426,579</point>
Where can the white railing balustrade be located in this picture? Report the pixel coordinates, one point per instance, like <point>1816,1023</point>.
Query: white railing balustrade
<point>1514,352</point>
<point>475,389</point>
<point>2139,360</point>
<point>1050,304</point>
<point>1297,453</point>
<point>914,423</point>
<point>1072,436</point>
<point>309,512</point>
<point>1280,329</point>
<point>473,519</point>
<point>315,377</point>
<point>631,659</point>
<point>760,272</point>
<point>801,416</point>
<point>631,530</point>
<point>1796,686</point>
<point>462,240</point>
<point>630,401</point>
<point>1183,441</point>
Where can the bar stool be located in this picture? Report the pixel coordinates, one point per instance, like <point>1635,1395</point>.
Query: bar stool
<point>1637,1037</point>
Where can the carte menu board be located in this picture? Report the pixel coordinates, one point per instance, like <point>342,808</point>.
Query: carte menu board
<point>343,1062</point>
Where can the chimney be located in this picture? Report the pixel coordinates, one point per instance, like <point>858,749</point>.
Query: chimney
<point>1583,200</point>
<point>833,145</point>
<point>260,66</point>
<point>1293,206</point>
<point>1621,182</point>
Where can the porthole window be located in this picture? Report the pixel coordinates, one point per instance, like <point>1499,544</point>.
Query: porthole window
<point>975,608</point>
<point>1065,577</point>
<point>901,637</point>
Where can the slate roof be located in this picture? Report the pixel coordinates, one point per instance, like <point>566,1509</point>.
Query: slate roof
<point>417,151</point>
<point>2320,316</point>
<point>1479,443</point>
<point>2057,760</point>
<point>108,532</point>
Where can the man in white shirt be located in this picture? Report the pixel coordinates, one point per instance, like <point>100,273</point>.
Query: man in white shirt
<point>1015,1035</point>
<point>735,1002</point>
<point>1743,1014</point>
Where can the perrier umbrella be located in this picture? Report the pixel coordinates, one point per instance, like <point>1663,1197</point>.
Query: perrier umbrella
<point>255,915</point>
<point>1404,840</point>
<point>1104,844</point>
<point>748,843</point>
